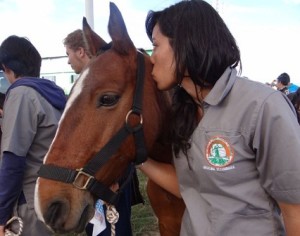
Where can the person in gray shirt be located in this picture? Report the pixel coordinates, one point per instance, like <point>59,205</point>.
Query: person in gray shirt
<point>31,113</point>
<point>235,141</point>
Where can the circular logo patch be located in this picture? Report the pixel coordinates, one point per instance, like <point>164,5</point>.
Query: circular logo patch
<point>218,152</point>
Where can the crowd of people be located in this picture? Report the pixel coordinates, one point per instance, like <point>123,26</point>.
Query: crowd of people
<point>235,141</point>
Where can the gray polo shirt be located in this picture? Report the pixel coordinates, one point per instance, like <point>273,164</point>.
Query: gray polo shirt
<point>29,125</point>
<point>244,154</point>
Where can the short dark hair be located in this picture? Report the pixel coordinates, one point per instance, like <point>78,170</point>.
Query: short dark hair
<point>19,55</point>
<point>284,78</point>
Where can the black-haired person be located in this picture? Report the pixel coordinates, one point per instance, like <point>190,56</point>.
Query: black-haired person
<point>295,99</point>
<point>32,109</point>
<point>235,141</point>
<point>283,80</point>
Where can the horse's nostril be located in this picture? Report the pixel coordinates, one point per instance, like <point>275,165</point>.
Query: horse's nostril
<point>54,217</point>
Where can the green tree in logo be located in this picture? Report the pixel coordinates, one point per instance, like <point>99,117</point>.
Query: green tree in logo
<point>216,157</point>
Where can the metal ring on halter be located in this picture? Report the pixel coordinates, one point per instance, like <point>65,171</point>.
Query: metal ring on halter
<point>138,126</point>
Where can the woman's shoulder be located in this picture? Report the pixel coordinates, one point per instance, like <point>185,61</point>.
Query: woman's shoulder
<point>254,90</point>
<point>249,82</point>
<point>23,92</point>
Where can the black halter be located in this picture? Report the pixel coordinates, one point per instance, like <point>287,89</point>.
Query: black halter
<point>90,169</point>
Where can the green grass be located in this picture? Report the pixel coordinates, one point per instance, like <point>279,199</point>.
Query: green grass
<point>143,220</point>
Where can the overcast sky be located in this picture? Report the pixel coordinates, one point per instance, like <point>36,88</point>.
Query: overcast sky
<point>267,31</point>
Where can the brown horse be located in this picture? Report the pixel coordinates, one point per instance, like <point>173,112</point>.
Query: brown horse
<point>116,108</point>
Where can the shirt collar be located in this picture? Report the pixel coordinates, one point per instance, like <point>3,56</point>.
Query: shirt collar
<point>222,87</point>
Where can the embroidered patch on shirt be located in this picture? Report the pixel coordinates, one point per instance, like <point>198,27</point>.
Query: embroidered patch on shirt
<point>219,153</point>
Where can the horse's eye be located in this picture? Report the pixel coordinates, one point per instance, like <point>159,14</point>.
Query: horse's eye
<point>108,100</point>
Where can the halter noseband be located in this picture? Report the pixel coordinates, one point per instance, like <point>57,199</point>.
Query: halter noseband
<point>90,169</point>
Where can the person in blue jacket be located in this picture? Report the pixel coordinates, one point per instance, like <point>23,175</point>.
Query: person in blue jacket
<point>31,113</point>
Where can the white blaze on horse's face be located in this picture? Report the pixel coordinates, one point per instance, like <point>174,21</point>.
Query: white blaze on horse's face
<point>36,202</point>
<point>76,90</point>
<point>75,93</point>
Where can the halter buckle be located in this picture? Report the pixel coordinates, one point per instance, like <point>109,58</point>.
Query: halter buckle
<point>84,185</point>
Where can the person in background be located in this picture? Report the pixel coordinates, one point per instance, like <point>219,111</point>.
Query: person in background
<point>235,141</point>
<point>292,87</point>
<point>78,58</point>
<point>285,85</point>
<point>31,112</point>
<point>295,99</point>
<point>283,81</point>
<point>76,50</point>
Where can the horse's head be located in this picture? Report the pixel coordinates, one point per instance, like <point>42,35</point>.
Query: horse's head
<point>112,106</point>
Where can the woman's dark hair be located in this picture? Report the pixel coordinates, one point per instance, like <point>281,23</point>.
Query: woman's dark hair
<point>203,46</point>
<point>19,55</point>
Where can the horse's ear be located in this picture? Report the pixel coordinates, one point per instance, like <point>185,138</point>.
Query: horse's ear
<point>93,40</point>
<point>121,41</point>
